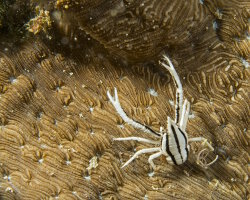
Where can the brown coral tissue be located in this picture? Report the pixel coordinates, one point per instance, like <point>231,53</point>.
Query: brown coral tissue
<point>57,125</point>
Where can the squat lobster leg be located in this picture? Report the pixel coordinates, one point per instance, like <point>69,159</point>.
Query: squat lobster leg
<point>201,159</point>
<point>139,139</point>
<point>200,139</point>
<point>184,115</point>
<point>179,92</point>
<point>152,157</point>
<point>120,111</point>
<point>142,151</point>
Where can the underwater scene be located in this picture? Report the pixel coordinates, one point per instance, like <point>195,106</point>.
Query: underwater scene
<point>124,99</point>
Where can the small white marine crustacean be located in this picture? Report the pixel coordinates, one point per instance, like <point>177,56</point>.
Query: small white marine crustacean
<point>174,143</point>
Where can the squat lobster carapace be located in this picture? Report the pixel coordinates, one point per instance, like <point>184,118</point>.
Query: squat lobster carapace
<point>174,144</point>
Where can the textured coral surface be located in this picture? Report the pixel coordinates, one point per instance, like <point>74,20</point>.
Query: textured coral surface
<point>57,125</point>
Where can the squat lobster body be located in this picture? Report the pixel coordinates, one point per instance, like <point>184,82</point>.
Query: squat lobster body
<point>174,144</point>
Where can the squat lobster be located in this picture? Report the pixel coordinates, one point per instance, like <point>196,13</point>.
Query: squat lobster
<point>174,144</point>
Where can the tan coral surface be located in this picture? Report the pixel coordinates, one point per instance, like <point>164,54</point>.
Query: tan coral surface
<point>57,124</point>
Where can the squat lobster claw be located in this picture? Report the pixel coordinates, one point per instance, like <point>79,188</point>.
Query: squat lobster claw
<point>174,144</point>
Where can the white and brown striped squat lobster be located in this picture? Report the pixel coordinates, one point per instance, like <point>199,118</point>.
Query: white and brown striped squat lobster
<point>174,144</point>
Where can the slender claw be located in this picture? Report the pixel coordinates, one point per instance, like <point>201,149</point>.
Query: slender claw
<point>111,98</point>
<point>169,62</point>
<point>166,66</point>
<point>116,94</point>
<point>115,101</point>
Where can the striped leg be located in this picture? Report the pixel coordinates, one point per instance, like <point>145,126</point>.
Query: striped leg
<point>142,151</point>
<point>139,139</point>
<point>152,157</point>
<point>123,115</point>
<point>184,115</point>
<point>179,91</point>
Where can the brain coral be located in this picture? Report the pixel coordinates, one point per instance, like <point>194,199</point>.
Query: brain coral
<point>57,125</point>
